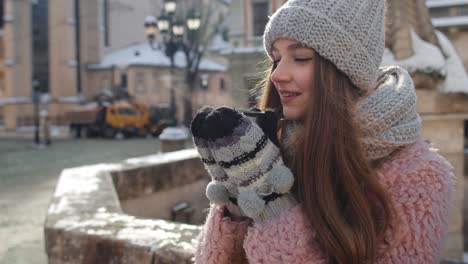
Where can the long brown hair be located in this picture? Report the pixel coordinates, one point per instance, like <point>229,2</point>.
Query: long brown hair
<point>335,183</point>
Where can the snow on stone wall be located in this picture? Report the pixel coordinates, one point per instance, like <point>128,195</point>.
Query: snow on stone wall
<point>457,78</point>
<point>427,58</point>
<point>431,60</point>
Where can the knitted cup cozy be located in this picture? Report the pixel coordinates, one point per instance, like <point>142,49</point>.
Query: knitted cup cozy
<point>249,159</point>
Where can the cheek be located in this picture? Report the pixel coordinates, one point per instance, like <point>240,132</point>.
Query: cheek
<point>305,81</point>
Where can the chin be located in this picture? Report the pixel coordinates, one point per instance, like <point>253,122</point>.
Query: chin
<point>290,114</point>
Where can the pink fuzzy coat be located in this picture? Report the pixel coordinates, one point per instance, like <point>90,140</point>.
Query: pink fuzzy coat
<point>420,183</point>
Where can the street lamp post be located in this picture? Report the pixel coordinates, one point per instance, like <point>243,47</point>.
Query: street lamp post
<point>36,99</point>
<point>173,36</point>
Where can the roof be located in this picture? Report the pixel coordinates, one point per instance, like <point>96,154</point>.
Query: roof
<point>141,54</point>
<point>15,100</point>
<point>450,21</point>
<point>445,3</point>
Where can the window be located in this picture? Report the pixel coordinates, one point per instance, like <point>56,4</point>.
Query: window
<point>260,17</point>
<point>127,111</point>
<point>463,11</point>
<point>105,17</point>
<point>156,81</point>
<point>105,83</point>
<point>40,44</point>
<point>123,80</point>
<point>140,82</point>
<point>439,12</point>
<point>2,84</point>
<point>222,85</point>
<point>1,116</point>
<point>1,13</point>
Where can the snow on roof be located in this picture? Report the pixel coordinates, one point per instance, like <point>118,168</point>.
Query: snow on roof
<point>142,54</point>
<point>445,3</point>
<point>456,80</point>
<point>44,98</point>
<point>450,21</point>
<point>15,100</point>
<point>244,50</point>
<point>427,58</point>
<point>71,99</point>
<point>219,44</point>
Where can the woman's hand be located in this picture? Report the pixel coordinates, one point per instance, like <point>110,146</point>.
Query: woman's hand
<point>246,167</point>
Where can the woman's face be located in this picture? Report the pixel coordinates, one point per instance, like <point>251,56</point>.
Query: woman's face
<point>292,75</point>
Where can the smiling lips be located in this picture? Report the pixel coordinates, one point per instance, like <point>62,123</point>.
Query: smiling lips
<point>287,96</point>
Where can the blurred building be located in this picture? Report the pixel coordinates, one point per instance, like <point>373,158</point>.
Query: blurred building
<point>146,74</point>
<point>146,71</point>
<point>451,17</point>
<point>247,20</point>
<point>39,53</point>
<point>69,51</point>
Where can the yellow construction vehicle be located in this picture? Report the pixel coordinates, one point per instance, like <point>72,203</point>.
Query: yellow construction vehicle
<point>118,119</point>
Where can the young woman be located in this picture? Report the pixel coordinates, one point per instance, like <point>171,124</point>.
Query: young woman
<point>361,185</point>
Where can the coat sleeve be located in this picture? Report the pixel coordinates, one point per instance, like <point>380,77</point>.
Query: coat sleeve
<point>422,198</point>
<point>220,240</point>
<point>288,238</point>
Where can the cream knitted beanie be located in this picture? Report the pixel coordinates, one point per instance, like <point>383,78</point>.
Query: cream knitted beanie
<point>349,33</point>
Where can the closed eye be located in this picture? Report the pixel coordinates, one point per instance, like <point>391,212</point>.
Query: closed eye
<point>303,59</point>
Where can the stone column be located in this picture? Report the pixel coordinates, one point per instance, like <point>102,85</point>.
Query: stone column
<point>443,124</point>
<point>62,58</point>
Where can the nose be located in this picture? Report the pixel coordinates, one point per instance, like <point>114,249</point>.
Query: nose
<point>281,73</point>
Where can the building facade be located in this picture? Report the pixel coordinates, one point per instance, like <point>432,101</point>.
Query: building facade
<point>40,58</point>
<point>247,20</point>
<point>451,17</point>
<point>16,61</point>
<point>49,47</point>
<point>146,74</point>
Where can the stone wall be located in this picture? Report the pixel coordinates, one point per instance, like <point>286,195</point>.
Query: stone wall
<point>86,224</point>
<point>152,190</point>
<point>443,124</point>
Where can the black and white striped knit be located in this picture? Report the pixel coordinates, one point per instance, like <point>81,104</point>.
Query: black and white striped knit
<point>254,172</point>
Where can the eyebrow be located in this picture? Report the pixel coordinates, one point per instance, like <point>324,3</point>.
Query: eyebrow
<point>293,46</point>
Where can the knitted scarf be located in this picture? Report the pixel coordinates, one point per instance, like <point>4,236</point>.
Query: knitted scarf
<point>387,115</point>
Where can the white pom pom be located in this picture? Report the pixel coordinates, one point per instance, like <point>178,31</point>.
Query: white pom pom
<point>250,203</point>
<point>281,178</point>
<point>217,193</point>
